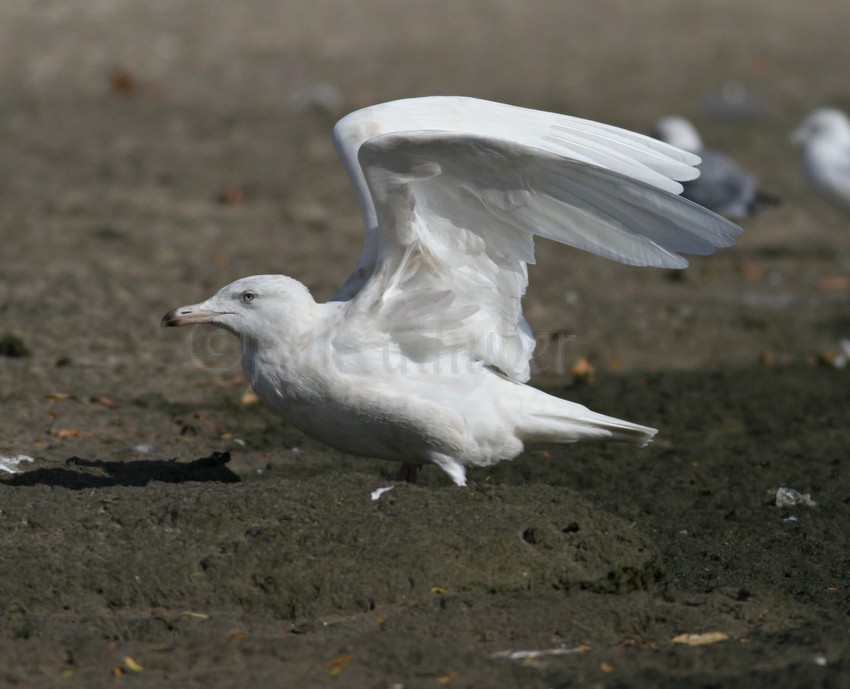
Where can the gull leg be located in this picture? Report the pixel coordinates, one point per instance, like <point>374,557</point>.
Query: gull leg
<point>408,472</point>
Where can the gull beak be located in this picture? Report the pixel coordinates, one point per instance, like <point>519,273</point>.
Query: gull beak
<point>188,315</point>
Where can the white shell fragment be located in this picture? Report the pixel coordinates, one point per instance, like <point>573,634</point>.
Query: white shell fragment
<point>10,464</point>
<point>788,497</point>
<point>378,492</point>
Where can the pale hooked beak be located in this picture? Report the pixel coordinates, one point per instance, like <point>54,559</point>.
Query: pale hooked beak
<point>188,315</point>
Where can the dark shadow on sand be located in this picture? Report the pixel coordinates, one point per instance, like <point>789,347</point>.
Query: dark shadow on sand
<point>94,473</point>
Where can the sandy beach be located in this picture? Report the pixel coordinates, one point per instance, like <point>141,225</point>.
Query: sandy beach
<point>169,531</point>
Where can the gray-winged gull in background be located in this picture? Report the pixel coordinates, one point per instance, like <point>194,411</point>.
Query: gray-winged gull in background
<point>723,186</point>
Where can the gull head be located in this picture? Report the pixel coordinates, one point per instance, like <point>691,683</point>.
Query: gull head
<point>829,123</point>
<point>251,308</point>
<point>679,132</point>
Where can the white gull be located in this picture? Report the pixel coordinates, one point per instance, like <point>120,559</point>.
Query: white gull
<point>422,355</point>
<point>825,138</point>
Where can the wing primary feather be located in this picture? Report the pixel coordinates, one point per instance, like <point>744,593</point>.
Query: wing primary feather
<point>631,166</point>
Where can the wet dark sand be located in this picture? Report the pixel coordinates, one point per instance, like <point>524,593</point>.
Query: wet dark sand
<point>171,533</point>
<point>206,575</point>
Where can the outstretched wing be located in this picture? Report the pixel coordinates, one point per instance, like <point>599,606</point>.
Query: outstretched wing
<point>452,216</point>
<point>639,157</point>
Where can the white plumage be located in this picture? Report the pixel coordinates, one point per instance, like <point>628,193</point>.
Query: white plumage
<point>422,354</point>
<point>825,138</point>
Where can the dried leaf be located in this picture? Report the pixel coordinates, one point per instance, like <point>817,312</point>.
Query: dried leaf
<point>448,677</point>
<point>71,433</point>
<point>702,639</point>
<point>338,664</point>
<point>104,401</point>
<point>131,664</point>
<point>231,195</point>
<point>123,82</point>
<point>582,370</point>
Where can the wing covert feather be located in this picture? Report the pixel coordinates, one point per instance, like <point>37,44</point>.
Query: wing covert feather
<point>637,156</point>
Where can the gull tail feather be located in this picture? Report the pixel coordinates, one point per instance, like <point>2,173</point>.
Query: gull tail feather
<point>561,421</point>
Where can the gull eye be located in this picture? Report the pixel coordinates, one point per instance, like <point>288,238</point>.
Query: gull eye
<point>248,297</point>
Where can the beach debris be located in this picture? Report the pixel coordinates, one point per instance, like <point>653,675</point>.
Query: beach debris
<point>840,360</point>
<point>231,195</point>
<point>377,493</point>
<point>71,433</point>
<point>788,497</point>
<point>123,82</point>
<point>700,639</point>
<point>339,663</point>
<point>131,664</point>
<point>10,464</point>
<point>530,655</point>
<point>582,371</point>
<point>13,346</point>
<point>143,448</point>
<point>104,401</point>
